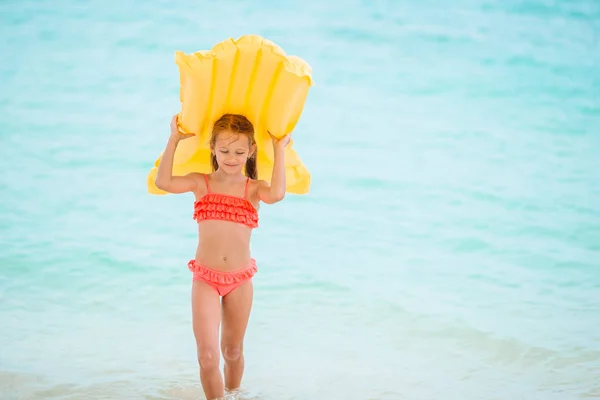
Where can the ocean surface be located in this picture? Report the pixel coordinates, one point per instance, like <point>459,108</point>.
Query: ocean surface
<point>449,247</point>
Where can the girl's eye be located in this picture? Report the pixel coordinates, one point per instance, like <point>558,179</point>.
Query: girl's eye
<point>240,154</point>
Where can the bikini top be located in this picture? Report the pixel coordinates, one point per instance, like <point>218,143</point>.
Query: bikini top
<point>225,207</point>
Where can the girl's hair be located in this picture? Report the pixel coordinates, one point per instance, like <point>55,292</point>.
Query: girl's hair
<point>240,125</point>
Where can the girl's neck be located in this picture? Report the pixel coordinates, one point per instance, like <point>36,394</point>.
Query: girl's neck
<point>228,178</point>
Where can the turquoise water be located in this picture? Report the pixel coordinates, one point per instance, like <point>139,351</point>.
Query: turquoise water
<point>449,247</point>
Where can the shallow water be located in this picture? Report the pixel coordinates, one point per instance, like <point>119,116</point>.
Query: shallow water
<point>450,245</point>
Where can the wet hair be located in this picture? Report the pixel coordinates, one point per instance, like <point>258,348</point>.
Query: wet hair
<point>238,125</point>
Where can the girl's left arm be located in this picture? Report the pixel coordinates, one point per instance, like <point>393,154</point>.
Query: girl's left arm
<point>275,192</point>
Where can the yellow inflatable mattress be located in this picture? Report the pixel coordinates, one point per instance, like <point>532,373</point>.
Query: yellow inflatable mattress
<point>251,76</point>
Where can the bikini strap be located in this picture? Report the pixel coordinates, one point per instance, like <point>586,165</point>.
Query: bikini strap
<point>207,185</point>
<point>246,189</point>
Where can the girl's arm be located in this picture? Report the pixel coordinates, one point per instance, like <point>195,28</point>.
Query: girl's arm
<point>275,192</point>
<point>164,177</point>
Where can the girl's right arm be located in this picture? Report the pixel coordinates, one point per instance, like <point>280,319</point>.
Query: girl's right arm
<point>164,177</point>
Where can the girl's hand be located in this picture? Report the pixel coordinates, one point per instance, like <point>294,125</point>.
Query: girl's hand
<point>280,143</point>
<point>175,134</point>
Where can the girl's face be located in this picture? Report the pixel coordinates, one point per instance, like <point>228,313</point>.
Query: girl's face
<point>232,151</point>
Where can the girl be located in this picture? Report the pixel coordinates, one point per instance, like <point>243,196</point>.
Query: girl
<point>226,210</point>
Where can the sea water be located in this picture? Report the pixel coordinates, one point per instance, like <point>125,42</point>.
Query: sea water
<point>449,247</point>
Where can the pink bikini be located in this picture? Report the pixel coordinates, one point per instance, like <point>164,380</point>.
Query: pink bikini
<point>224,207</point>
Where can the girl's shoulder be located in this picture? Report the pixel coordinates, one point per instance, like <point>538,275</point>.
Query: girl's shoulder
<point>254,187</point>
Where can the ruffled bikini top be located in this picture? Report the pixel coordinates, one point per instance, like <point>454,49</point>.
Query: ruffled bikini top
<point>226,207</point>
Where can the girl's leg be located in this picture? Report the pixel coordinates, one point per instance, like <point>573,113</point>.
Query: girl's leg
<point>206,316</point>
<point>236,312</point>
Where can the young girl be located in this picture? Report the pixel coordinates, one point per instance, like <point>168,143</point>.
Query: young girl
<point>226,210</point>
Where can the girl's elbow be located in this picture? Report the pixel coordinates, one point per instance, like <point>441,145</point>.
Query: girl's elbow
<point>278,196</point>
<point>161,184</point>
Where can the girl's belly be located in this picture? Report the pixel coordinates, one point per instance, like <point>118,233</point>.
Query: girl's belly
<point>223,245</point>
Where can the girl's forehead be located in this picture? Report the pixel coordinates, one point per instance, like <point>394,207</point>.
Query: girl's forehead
<point>232,139</point>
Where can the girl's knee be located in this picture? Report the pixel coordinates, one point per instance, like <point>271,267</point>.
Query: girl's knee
<point>208,358</point>
<point>232,352</point>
